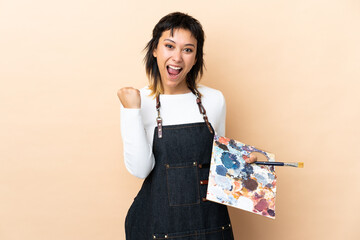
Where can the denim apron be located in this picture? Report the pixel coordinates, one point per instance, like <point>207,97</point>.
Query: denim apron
<point>171,203</point>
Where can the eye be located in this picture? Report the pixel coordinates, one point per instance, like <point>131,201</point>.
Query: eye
<point>169,46</point>
<point>189,50</point>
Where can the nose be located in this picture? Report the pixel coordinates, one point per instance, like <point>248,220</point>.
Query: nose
<point>177,56</point>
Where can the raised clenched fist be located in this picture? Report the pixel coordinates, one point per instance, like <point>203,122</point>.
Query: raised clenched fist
<point>129,97</point>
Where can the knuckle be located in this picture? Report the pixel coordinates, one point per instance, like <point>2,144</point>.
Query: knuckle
<point>125,90</point>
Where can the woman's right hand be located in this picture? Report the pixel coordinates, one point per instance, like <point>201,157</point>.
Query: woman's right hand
<point>129,97</point>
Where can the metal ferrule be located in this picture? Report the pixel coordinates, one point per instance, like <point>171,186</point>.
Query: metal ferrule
<point>291,164</point>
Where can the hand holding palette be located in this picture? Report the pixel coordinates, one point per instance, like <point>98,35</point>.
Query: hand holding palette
<point>234,182</point>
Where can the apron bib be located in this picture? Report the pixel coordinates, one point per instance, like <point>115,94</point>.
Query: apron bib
<point>171,203</point>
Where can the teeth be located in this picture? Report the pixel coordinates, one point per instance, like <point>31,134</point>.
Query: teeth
<point>175,68</point>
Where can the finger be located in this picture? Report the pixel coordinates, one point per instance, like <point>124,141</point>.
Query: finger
<point>251,159</point>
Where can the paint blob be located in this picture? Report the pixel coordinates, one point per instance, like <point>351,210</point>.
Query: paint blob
<point>250,184</point>
<point>221,170</point>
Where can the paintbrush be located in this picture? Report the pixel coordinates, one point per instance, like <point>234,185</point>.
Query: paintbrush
<point>290,164</point>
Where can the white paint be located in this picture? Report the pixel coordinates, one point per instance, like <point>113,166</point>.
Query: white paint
<point>245,203</point>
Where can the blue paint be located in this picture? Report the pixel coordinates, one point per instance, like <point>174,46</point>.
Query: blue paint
<point>223,182</point>
<point>233,144</point>
<point>221,170</point>
<point>271,176</point>
<point>261,179</point>
<point>246,172</point>
<point>229,160</point>
<point>248,169</point>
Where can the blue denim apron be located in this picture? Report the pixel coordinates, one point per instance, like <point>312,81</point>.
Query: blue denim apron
<point>171,203</point>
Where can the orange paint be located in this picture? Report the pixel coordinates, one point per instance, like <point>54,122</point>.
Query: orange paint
<point>224,140</point>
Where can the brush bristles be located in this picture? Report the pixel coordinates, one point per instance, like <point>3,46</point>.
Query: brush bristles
<point>294,164</point>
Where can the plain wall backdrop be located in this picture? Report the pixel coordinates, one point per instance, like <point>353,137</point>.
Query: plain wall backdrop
<point>289,71</point>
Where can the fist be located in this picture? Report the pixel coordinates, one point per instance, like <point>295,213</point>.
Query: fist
<point>129,97</point>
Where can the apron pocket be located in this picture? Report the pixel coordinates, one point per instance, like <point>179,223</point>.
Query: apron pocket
<point>182,183</point>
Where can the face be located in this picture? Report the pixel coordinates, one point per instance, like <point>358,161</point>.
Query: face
<point>175,56</point>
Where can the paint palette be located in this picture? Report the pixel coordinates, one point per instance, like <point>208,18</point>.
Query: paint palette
<point>235,183</point>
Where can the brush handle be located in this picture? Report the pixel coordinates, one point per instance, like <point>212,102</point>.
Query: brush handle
<point>270,163</point>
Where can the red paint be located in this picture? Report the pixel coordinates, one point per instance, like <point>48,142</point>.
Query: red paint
<point>261,205</point>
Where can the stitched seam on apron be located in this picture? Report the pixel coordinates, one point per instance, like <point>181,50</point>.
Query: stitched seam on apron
<point>196,233</point>
<point>180,127</point>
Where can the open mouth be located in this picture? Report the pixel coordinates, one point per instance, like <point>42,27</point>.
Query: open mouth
<point>173,71</point>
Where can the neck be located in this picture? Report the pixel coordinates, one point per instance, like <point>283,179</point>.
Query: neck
<point>177,91</point>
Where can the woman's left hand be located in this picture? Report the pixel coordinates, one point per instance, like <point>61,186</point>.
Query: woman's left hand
<point>252,159</point>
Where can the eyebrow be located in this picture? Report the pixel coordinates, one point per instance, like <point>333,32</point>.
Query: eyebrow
<point>188,44</point>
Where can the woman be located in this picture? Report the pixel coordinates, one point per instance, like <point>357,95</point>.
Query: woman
<point>167,130</point>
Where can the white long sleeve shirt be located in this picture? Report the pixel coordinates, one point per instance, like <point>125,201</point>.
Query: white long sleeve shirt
<point>138,124</point>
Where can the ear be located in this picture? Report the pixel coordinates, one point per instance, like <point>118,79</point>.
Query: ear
<point>155,53</point>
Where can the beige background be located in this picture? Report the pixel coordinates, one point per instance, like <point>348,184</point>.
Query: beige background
<point>289,71</point>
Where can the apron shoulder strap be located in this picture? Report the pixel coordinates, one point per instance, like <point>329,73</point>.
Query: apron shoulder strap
<point>201,110</point>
